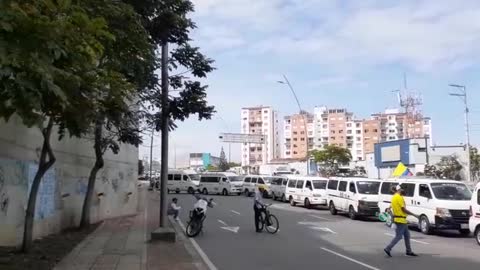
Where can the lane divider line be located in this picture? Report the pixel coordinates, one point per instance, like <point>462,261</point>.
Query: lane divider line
<point>222,222</point>
<point>350,259</point>
<point>202,254</point>
<point>314,216</point>
<point>413,240</point>
<point>235,212</point>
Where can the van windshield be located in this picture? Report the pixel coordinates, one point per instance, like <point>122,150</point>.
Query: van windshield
<point>194,177</point>
<point>451,191</point>
<point>366,187</point>
<point>319,184</point>
<point>235,178</point>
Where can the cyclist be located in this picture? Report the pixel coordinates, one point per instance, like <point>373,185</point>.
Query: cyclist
<point>259,206</point>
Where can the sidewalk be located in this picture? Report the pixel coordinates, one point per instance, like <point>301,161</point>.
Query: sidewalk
<point>124,244</point>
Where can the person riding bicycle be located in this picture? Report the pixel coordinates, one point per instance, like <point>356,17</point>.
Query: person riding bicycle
<point>259,206</point>
<point>202,203</point>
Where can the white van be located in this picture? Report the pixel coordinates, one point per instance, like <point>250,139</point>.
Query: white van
<point>441,204</point>
<point>309,191</point>
<point>180,181</point>
<point>251,182</point>
<point>220,183</point>
<point>278,188</point>
<point>355,196</point>
<point>475,213</point>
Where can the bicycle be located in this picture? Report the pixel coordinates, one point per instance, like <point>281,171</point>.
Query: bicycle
<point>197,216</point>
<point>268,221</point>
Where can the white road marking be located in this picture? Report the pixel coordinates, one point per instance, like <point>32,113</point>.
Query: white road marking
<point>232,229</point>
<point>202,254</point>
<point>323,229</point>
<point>351,259</point>
<point>413,240</point>
<point>319,217</point>
<point>223,222</point>
<point>235,212</point>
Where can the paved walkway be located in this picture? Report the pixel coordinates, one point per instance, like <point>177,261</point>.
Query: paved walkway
<point>124,244</point>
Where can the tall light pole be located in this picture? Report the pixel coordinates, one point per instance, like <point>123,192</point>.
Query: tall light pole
<point>302,112</point>
<point>463,95</point>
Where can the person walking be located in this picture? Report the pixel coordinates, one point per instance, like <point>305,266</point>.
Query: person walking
<point>174,209</point>
<point>400,213</point>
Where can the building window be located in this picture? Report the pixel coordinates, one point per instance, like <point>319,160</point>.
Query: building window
<point>302,132</point>
<point>391,131</point>
<point>295,152</point>
<point>359,132</point>
<point>324,126</point>
<point>302,139</point>
<point>391,138</point>
<point>295,139</point>
<point>358,125</point>
<point>294,146</point>
<point>332,131</point>
<point>340,131</point>
<point>341,145</point>
<point>375,130</point>
<point>294,133</point>
<point>332,125</point>
<point>359,139</point>
<point>287,153</point>
<point>349,125</point>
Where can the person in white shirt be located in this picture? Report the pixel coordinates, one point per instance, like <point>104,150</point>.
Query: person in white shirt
<point>174,209</point>
<point>258,206</point>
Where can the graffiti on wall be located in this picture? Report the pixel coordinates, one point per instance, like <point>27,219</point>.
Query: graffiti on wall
<point>12,173</point>
<point>45,207</point>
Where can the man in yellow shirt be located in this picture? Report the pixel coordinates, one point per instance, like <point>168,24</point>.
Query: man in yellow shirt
<point>400,219</point>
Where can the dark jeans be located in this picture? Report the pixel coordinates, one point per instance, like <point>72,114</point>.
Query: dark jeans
<point>258,213</point>
<point>401,231</point>
<point>173,212</point>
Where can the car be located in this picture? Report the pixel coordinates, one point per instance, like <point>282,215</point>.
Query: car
<point>220,183</point>
<point>309,191</point>
<point>355,196</point>
<point>440,204</point>
<point>474,221</point>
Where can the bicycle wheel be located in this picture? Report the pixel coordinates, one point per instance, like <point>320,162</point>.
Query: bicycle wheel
<point>193,228</point>
<point>273,226</point>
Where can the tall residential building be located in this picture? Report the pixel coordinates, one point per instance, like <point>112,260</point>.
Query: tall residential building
<point>298,129</point>
<point>261,120</point>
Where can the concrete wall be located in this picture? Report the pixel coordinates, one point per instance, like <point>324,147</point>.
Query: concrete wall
<point>62,190</point>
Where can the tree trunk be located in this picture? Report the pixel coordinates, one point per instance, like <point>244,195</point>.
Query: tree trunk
<point>99,162</point>
<point>43,166</point>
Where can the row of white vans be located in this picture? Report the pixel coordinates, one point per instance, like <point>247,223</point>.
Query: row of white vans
<point>440,204</point>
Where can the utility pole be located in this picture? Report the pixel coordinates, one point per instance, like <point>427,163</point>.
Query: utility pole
<point>164,127</point>
<point>305,117</point>
<point>151,158</point>
<point>464,97</point>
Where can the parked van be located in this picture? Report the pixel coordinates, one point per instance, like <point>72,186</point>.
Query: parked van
<point>475,213</point>
<point>309,191</point>
<point>179,181</point>
<point>220,183</point>
<point>355,196</point>
<point>251,182</point>
<point>441,204</point>
<point>278,188</point>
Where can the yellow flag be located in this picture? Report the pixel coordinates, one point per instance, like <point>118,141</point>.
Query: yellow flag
<point>400,170</point>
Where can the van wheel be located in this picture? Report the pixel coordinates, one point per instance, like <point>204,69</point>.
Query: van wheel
<point>283,199</point>
<point>389,221</point>
<point>307,204</point>
<point>424,225</point>
<point>191,190</point>
<point>177,190</point>
<point>332,208</point>
<point>292,202</point>
<point>273,196</point>
<point>225,192</point>
<point>465,232</point>
<point>351,213</point>
<point>247,194</point>
<point>205,191</point>
<point>477,234</point>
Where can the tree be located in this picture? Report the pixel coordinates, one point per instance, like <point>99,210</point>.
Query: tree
<point>330,158</point>
<point>49,51</point>
<point>234,164</point>
<point>474,163</point>
<point>126,70</point>
<point>448,168</point>
<point>168,21</point>
<point>223,165</point>
<point>211,168</point>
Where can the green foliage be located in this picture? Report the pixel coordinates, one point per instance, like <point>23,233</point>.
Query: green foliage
<point>168,21</point>
<point>223,165</point>
<point>211,168</point>
<point>448,168</point>
<point>48,55</point>
<point>474,163</point>
<point>330,158</point>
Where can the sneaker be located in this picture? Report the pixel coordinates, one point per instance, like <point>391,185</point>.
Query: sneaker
<point>388,253</point>
<point>411,254</point>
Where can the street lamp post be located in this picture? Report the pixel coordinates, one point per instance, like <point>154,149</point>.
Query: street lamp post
<point>305,118</point>
<point>463,95</point>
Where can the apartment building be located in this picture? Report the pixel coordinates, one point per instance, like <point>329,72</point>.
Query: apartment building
<point>261,120</point>
<point>396,125</point>
<point>298,132</point>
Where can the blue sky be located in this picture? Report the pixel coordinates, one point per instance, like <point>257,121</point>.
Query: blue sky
<point>336,53</point>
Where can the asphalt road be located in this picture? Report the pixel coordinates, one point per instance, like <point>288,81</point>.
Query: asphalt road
<point>316,239</point>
